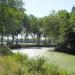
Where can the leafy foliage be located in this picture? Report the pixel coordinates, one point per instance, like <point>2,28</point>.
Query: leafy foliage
<point>69,42</point>
<point>5,50</point>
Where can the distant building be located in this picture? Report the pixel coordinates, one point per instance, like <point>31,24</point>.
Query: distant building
<point>73,9</point>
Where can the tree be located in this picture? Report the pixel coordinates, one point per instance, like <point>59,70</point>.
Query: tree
<point>70,38</point>
<point>11,12</point>
<point>72,19</point>
<point>33,26</point>
<point>63,17</point>
<point>26,26</point>
<point>39,31</point>
<point>51,27</point>
<point>36,28</point>
<point>2,19</point>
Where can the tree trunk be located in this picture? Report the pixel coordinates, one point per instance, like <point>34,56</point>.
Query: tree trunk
<point>33,36</point>
<point>21,38</point>
<point>12,39</point>
<point>27,38</point>
<point>45,41</point>
<point>17,40</point>
<point>2,39</point>
<point>8,39</point>
<point>38,43</point>
<point>50,43</point>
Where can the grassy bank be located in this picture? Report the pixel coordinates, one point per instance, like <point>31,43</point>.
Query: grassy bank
<point>17,64</point>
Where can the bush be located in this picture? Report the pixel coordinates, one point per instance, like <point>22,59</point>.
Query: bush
<point>68,45</point>
<point>61,47</point>
<point>41,67</point>
<point>20,58</point>
<point>15,46</point>
<point>4,50</point>
<point>36,65</point>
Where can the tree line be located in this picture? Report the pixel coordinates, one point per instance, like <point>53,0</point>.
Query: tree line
<point>14,21</point>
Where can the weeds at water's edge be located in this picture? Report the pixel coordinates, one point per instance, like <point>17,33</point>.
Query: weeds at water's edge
<point>18,64</point>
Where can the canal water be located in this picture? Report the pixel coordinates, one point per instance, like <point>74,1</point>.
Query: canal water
<point>33,51</point>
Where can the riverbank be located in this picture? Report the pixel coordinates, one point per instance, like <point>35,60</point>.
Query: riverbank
<point>17,64</point>
<point>63,60</point>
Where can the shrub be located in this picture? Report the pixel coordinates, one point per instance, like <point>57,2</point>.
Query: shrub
<point>4,50</point>
<point>68,45</point>
<point>15,46</point>
<point>41,67</point>
<point>36,65</point>
<point>20,58</point>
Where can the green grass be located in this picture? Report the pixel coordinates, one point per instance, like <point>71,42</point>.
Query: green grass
<point>17,64</point>
<point>63,60</point>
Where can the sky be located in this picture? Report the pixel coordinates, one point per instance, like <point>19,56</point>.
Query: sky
<point>41,8</point>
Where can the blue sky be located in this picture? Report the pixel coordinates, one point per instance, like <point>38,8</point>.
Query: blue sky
<point>40,8</point>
